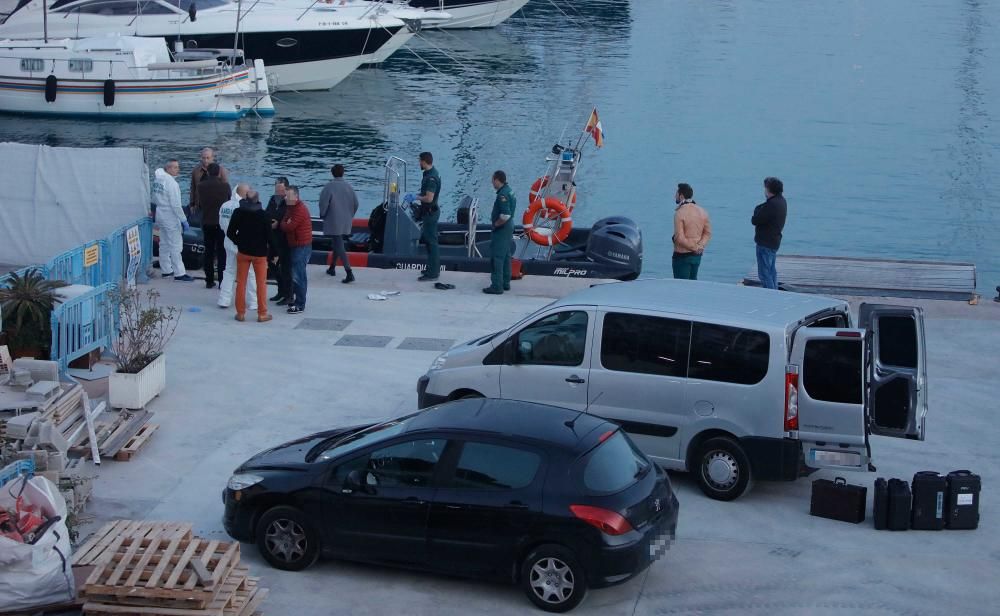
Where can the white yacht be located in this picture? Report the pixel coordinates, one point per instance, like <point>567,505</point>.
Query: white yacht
<point>311,48</point>
<point>127,76</point>
<point>471,13</point>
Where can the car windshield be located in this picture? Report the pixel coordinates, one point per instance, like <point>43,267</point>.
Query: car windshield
<point>614,464</point>
<point>341,445</point>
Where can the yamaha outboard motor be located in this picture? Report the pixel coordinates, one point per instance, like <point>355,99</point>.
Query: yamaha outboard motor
<point>616,240</point>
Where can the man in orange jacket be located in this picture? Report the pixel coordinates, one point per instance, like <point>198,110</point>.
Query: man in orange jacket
<point>297,226</point>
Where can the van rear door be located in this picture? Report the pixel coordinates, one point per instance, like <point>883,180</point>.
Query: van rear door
<point>896,370</point>
<point>824,397</point>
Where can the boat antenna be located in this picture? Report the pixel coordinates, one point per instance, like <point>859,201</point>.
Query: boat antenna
<point>45,20</point>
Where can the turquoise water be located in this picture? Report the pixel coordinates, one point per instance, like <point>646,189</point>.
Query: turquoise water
<point>880,116</point>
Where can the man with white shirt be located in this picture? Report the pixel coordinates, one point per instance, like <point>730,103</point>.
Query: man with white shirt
<point>171,220</point>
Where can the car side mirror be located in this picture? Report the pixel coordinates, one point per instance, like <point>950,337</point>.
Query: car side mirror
<point>508,352</point>
<point>353,483</point>
<point>524,349</point>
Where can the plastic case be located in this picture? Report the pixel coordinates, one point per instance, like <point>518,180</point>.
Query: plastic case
<point>962,509</point>
<point>838,500</point>
<point>929,489</point>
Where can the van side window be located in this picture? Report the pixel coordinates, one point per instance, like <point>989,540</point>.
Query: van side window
<point>728,354</point>
<point>558,339</point>
<point>831,370</point>
<point>644,344</point>
<point>897,341</point>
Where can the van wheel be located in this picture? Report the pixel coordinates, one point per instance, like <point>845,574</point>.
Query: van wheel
<point>286,539</point>
<point>723,469</point>
<point>553,579</point>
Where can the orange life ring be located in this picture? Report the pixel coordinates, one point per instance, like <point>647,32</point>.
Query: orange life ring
<point>549,209</point>
<point>541,183</point>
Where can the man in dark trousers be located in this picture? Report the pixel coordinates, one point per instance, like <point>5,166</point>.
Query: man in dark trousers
<point>502,219</point>
<point>337,206</point>
<point>199,173</point>
<point>769,220</point>
<point>277,252</point>
<point>213,191</point>
<point>430,190</point>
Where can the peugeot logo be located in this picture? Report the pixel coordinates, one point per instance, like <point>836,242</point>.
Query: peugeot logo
<point>656,504</point>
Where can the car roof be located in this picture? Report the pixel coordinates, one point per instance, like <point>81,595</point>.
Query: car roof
<point>705,300</point>
<point>514,418</point>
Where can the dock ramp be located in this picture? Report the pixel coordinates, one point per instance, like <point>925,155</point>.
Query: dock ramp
<point>874,277</point>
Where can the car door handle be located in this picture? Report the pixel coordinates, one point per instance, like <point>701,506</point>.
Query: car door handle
<point>575,379</point>
<point>413,500</point>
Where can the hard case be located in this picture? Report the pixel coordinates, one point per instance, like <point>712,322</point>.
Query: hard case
<point>838,500</point>
<point>962,509</point>
<point>880,504</point>
<point>898,515</point>
<point>929,488</point>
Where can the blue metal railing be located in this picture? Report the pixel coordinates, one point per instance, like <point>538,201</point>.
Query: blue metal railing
<point>83,324</point>
<point>15,469</point>
<point>72,266</point>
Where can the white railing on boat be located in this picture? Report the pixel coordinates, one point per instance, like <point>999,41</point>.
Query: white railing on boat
<point>199,68</point>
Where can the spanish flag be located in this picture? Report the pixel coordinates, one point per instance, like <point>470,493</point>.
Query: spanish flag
<point>595,129</point>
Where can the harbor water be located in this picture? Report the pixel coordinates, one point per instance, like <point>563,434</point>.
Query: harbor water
<point>882,118</point>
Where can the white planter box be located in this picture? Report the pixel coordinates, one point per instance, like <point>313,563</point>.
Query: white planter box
<point>134,391</point>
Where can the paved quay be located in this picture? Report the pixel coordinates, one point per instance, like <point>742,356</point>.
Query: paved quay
<point>234,389</point>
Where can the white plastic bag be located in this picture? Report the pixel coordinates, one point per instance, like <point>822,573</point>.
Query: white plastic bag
<point>39,574</point>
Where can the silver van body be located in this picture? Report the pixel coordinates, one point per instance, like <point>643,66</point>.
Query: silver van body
<point>731,382</point>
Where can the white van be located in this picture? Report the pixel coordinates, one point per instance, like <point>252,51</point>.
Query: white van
<point>733,383</point>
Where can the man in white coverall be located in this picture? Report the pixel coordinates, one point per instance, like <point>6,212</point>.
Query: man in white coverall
<point>228,282</point>
<point>171,220</point>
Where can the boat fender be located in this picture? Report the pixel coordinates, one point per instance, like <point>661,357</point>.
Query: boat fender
<point>550,209</point>
<point>51,83</point>
<point>109,92</point>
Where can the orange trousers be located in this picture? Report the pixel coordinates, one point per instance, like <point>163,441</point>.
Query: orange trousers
<point>243,264</point>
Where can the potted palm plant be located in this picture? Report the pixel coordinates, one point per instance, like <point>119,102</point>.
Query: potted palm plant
<point>145,328</point>
<point>27,303</point>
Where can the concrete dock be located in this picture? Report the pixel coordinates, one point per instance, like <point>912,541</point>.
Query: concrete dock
<point>234,389</point>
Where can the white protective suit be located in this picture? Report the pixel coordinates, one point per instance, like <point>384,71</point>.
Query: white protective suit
<point>166,194</point>
<point>228,282</point>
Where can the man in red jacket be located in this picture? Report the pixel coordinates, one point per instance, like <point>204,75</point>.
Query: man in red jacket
<point>297,226</point>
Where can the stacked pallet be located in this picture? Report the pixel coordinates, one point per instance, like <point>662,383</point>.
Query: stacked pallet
<point>161,568</point>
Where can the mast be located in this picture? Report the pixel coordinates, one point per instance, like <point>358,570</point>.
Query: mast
<point>45,20</point>
<point>236,36</point>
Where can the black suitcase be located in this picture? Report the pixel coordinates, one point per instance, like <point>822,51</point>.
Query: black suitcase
<point>928,489</point>
<point>898,509</point>
<point>880,504</point>
<point>962,510</point>
<point>838,500</point>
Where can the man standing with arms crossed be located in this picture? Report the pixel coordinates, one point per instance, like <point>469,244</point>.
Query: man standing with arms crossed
<point>769,219</point>
<point>171,220</point>
<point>430,190</point>
<point>692,231</point>
<point>502,219</point>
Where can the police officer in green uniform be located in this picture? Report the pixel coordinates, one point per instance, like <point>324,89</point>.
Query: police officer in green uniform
<point>430,189</point>
<point>502,218</point>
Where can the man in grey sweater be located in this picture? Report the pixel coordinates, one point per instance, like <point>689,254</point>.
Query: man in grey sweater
<point>337,206</point>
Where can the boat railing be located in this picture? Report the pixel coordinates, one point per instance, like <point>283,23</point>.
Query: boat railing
<point>203,68</point>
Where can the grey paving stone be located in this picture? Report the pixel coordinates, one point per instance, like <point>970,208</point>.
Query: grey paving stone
<point>373,342</point>
<point>426,344</point>
<point>330,325</point>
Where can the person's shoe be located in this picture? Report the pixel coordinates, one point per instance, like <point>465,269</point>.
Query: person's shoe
<point>165,275</point>
<point>331,271</point>
<point>506,287</point>
<point>427,278</point>
<point>264,318</point>
<point>239,317</point>
<point>492,291</point>
<point>278,298</point>
<point>222,306</point>
<point>294,310</point>
<point>184,278</point>
<point>209,284</point>
<point>349,278</point>
<point>283,301</point>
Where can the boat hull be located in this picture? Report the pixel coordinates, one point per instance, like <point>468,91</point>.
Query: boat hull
<point>472,14</point>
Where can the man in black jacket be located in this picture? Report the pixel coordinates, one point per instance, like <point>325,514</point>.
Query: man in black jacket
<point>278,253</point>
<point>769,220</point>
<point>250,230</point>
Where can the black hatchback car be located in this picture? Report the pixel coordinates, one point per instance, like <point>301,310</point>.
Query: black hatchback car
<point>553,499</point>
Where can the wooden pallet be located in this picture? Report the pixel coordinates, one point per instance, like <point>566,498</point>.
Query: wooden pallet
<point>136,442</point>
<point>240,595</point>
<point>101,544</point>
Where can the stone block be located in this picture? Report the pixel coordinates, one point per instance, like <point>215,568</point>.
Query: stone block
<point>18,427</point>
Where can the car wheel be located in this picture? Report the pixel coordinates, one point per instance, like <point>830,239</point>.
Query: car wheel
<point>286,539</point>
<point>723,469</point>
<point>553,579</point>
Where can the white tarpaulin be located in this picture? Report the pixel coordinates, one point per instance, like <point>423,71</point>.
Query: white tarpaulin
<point>55,199</point>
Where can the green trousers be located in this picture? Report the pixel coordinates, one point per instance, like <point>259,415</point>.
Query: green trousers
<point>429,233</point>
<point>500,241</point>
<point>686,266</point>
